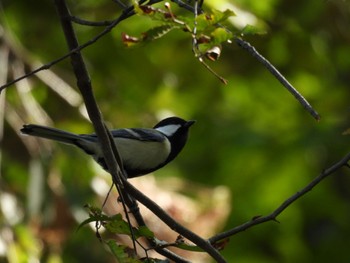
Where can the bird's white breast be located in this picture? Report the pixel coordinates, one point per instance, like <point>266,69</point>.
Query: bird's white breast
<point>142,154</point>
<point>135,154</point>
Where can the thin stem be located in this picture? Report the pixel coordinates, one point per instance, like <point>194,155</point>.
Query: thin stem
<point>272,216</point>
<point>126,13</point>
<point>83,22</point>
<point>247,46</point>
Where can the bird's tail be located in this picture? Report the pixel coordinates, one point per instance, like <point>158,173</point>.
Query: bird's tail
<point>50,133</point>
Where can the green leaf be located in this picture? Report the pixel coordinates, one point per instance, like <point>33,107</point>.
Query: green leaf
<point>157,32</point>
<point>207,20</point>
<point>220,35</point>
<point>95,214</point>
<point>117,225</point>
<point>120,252</point>
<point>145,232</point>
<point>252,30</point>
<point>150,35</point>
<point>188,247</point>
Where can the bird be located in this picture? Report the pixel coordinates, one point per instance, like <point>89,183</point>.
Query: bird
<point>142,150</point>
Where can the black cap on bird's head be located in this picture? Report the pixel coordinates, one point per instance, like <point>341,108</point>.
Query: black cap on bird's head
<point>176,130</point>
<point>173,121</point>
<point>173,125</point>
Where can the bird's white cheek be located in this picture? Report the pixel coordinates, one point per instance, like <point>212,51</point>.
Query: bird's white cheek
<point>169,130</point>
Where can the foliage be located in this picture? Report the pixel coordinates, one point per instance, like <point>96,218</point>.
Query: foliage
<point>250,135</point>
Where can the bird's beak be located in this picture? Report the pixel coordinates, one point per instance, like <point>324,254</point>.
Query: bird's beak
<point>189,123</point>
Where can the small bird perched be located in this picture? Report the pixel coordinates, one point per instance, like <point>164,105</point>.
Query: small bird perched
<point>142,150</point>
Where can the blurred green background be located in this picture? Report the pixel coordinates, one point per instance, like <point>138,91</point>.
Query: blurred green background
<point>251,135</point>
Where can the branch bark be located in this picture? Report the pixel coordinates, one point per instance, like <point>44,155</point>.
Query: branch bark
<point>111,155</point>
<point>272,217</point>
<point>307,106</point>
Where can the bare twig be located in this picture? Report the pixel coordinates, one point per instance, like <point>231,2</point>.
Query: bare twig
<point>83,22</point>
<point>4,55</point>
<point>184,5</point>
<point>126,13</point>
<point>120,3</point>
<point>129,11</point>
<point>245,45</point>
<point>272,217</point>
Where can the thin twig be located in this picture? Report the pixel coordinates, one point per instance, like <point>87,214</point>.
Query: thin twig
<point>197,10</point>
<point>126,13</point>
<point>83,22</point>
<point>129,11</point>
<point>272,217</point>
<point>120,3</point>
<point>247,46</point>
<point>184,5</point>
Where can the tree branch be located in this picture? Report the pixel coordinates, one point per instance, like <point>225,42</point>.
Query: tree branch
<point>167,219</point>
<point>108,146</point>
<point>83,22</point>
<point>125,14</point>
<point>84,82</point>
<point>272,217</point>
<point>135,210</point>
<point>245,45</point>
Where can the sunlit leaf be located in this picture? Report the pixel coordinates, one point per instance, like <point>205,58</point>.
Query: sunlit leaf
<point>220,35</point>
<point>145,232</point>
<point>188,247</point>
<point>222,16</point>
<point>121,252</point>
<point>252,30</point>
<point>157,32</point>
<point>213,18</point>
<point>92,219</point>
<point>117,225</point>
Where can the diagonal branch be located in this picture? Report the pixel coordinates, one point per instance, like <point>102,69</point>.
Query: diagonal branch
<point>167,219</point>
<point>125,14</point>
<point>85,87</point>
<point>245,45</point>
<point>272,217</point>
<point>109,149</point>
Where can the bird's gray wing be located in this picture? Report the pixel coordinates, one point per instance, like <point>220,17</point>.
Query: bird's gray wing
<point>132,133</point>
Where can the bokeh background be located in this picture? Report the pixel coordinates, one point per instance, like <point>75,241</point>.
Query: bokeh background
<point>252,138</point>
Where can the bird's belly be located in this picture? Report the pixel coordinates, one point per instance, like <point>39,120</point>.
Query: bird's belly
<point>139,157</point>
